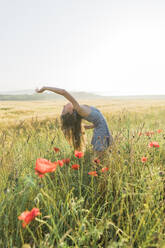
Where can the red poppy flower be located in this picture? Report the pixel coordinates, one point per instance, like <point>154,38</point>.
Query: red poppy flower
<point>44,166</point>
<point>97,161</point>
<point>93,173</point>
<point>66,160</point>
<point>149,133</point>
<point>156,144</point>
<point>56,149</point>
<point>60,163</point>
<point>150,144</point>
<point>144,159</point>
<point>75,166</point>
<point>105,169</point>
<point>153,144</point>
<point>78,154</point>
<point>159,130</point>
<point>28,216</point>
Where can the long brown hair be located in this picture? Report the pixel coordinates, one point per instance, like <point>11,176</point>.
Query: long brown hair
<point>73,130</point>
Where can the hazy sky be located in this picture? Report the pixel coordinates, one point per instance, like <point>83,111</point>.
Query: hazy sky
<point>111,46</point>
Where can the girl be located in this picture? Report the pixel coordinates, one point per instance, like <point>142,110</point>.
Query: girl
<point>71,118</point>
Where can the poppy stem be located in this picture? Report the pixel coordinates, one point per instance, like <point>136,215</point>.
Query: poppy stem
<point>29,230</point>
<point>80,177</point>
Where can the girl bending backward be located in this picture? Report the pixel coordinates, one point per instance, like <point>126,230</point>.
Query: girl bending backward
<point>71,120</point>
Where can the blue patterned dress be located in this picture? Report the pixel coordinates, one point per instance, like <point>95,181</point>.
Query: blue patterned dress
<point>102,138</point>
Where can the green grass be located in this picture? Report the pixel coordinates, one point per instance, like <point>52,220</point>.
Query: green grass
<point>123,207</point>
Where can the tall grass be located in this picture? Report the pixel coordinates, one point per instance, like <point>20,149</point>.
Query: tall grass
<point>123,207</point>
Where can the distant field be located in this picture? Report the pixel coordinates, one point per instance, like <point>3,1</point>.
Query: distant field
<point>15,111</point>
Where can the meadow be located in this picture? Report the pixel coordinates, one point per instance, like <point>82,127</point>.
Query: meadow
<point>117,202</point>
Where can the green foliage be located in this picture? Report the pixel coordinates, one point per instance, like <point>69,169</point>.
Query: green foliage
<point>122,207</point>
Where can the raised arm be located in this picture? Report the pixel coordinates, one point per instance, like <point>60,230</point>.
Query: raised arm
<point>64,93</point>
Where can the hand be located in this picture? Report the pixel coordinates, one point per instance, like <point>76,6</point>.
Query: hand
<point>40,90</point>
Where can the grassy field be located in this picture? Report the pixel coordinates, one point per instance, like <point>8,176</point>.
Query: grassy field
<point>121,206</point>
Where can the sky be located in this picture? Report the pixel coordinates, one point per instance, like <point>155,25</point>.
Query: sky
<point>112,47</point>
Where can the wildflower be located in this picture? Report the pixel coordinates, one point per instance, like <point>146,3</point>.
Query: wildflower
<point>156,144</point>
<point>149,133</point>
<point>44,166</point>
<point>28,216</point>
<point>60,163</point>
<point>144,159</point>
<point>150,144</point>
<point>56,149</point>
<point>140,133</point>
<point>93,173</point>
<point>78,154</point>
<point>153,144</point>
<point>66,160</point>
<point>159,130</point>
<point>104,169</point>
<point>97,161</point>
<point>75,166</point>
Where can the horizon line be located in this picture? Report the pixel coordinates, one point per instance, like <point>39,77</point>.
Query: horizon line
<point>96,93</point>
